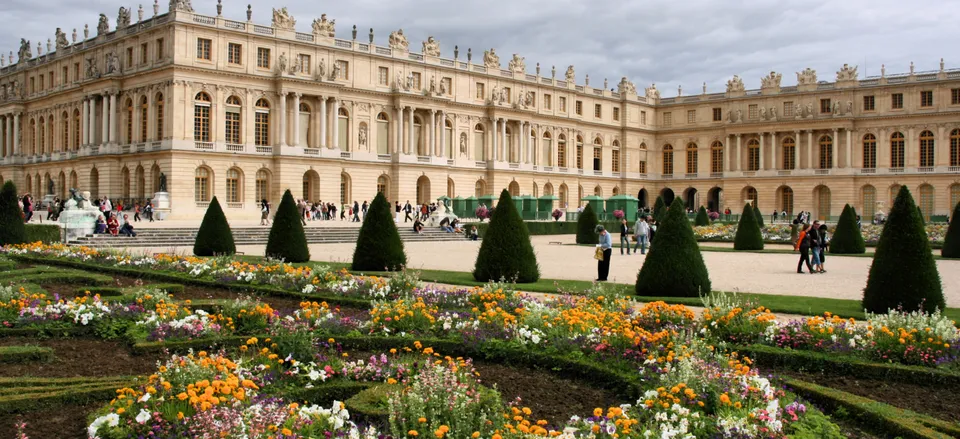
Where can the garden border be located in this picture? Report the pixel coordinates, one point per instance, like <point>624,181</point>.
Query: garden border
<point>25,354</point>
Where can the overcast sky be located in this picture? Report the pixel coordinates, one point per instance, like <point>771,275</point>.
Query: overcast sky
<point>671,43</point>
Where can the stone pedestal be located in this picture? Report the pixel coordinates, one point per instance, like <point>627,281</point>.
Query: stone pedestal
<point>78,221</point>
<point>48,200</point>
<point>161,201</point>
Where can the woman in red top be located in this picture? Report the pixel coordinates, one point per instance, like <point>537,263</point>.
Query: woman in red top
<point>113,226</point>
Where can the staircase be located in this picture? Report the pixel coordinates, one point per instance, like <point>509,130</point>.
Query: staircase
<point>184,237</point>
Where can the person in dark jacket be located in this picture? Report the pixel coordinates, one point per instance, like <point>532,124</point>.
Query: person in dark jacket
<point>815,240</point>
<point>624,236</point>
<point>824,243</point>
<point>803,245</point>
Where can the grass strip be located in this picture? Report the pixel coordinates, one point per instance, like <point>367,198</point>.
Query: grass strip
<point>876,417</point>
<point>25,354</point>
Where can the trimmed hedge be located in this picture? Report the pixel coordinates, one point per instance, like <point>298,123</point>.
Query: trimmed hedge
<point>674,266</point>
<point>11,217</point>
<point>951,242</point>
<point>587,226</point>
<point>903,272</point>
<point>214,238</point>
<point>506,252</point>
<point>758,216</point>
<point>287,240</point>
<point>847,239</point>
<point>25,354</point>
<point>45,233</point>
<point>659,208</point>
<point>80,393</point>
<point>379,246</point>
<point>702,218</point>
<point>749,236</point>
<point>6,264</point>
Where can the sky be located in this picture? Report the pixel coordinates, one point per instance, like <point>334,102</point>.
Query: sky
<point>671,43</point>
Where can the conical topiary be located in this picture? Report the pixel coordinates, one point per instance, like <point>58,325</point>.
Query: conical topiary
<point>287,240</point>
<point>587,225</point>
<point>659,208</point>
<point>758,216</point>
<point>748,235</point>
<point>923,221</point>
<point>12,230</point>
<point>903,274</point>
<point>379,246</point>
<point>506,252</point>
<point>951,243</point>
<point>702,218</point>
<point>847,239</point>
<point>674,267</point>
<point>214,237</point>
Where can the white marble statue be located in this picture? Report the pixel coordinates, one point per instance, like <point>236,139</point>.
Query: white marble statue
<point>61,39</point>
<point>807,76</point>
<point>398,41</point>
<point>323,27</point>
<point>626,86</point>
<point>847,73</point>
<point>571,75</point>
<point>283,20</point>
<point>771,81</point>
<point>490,59</point>
<point>517,64</point>
<point>103,26</point>
<point>431,47</point>
<point>735,84</point>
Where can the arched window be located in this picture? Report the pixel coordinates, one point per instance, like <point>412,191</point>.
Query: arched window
<point>579,152</point>
<point>94,183</point>
<point>383,134</point>
<point>345,195</point>
<point>231,122</point>
<point>786,199</point>
<point>234,186</point>
<point>261,132</point>
<point>896,150</point>
<point>826,152</point>
<point>76,130</point>
<point>383,186</point>
<point>50,132</point>
<point>448,137</point>
<point>823,202</point>
<point>201,117</point>
<point>597,154</point>
<point>668,159</point>
<point>306,134</point>
<point>563,196</point>
<point>64,131</point>
<point>955,148</point>
<point>41,136</point>
<point>480,189</point>
<point>927,151</point>
<point>598,191</point>
<point>514,189</point>
<point>479,143</point>
<point>547,149</point>
<point>263,185</point>
<point>869,151</point>
<point>692,156</point>
<point>753,155</point>
<point>561,151</point>
<point>789,153</point>
<point>926,201</point>
<point>894,190</point>
<point>143,118</point>
<point>869,202</point>
<point>201,185</point>
<point>716,157</point>
<point>155,177</point>
<point>343,121</point>
<point>128,115</point>
<point>159,134</point>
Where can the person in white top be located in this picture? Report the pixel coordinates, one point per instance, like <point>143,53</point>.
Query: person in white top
<point>640,232</point>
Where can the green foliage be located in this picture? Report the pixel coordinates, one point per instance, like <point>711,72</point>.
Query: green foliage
<point>847,238</point>
<point>379,246</point>
<point>794,232</point>
<point>951,242</point>
<point>214,237</point>
<point>287,240</point>
<point>659,208</point>
<point>702,218</point>
<point>25,354</point>
<point>676,247</point>
<point>11,217</point>
<point>758,215</point>
<point>903,273</point>
<point>45,233</point>
<point>587,226</point>
<point>748,235</point>
<point>506,251</point>
<point>813,425</point>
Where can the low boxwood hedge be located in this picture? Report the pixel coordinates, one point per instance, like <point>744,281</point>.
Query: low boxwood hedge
<point>51,396</point>
<point>101,291</point>
<point>25,354</point>
<point>45,233</point>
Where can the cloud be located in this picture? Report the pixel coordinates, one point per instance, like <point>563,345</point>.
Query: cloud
<point>668,42</point>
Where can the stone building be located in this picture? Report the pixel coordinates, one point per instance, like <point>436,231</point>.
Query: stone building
<point>244,111</point>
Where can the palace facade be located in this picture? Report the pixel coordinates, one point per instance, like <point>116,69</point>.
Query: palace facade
<point>245,111</point>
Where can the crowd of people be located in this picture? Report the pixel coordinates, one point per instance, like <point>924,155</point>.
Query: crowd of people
<point>109,209</point>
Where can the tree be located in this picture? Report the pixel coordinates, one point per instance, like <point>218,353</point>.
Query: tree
<point>748,235</point>
<point>506,252</point>
<point>12,230</point>
<point>847,238</point>
<point>951,243</point>
<point>903,273</point>
<point>659,208</point>
<point>702,218</point>
<point>674,267</point>
<point>758,216</point>
<point>287,240</point>
<point>379,246</point>
<point>587,225</point>
<point>214,237</point>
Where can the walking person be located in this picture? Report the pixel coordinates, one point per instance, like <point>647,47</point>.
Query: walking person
<point>775,215</point>
<point>606,248</point>
<point>640,231</point>
<point>27,208</point>
<point>407,209</point>
<point>264,212</point>
<point>824,243</point>
<point>815,241</point>
<point>136,212</point>
<point>356,211</point>
<point>363,209</point>
<point>624,236</point>
<point>803,245</point>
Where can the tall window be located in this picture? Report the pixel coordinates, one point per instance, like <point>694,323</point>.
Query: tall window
<point>159,134</point>
<point>261,134</point>
<point>143,118</point>
<point>869,202</point>
<point>417,82</point>
<point>753,155</point>
<point>480,93</point>
<point>926,98</point>
<point>563,104</point>
<point>788,109</point>
<point>233,186</point>
<point>692,158</point>
<point>926,149</point>
<point>825,105</point>
<point>716,157</point>
<point>382,185</point>
<point>668,159</point>
<point>562,151</point>
<point>955,148</point>
<point>896,101</point>
<point>263,184</point>
<point>869,103</point>
<point>789,152</point>
<point>129,116</point>
<point>234,53</point>
<point>642,167</point>
<point>304,63</point>
<point>667,119</point>
<point>615,160</point>
<point>826,152</point>
<point>691,116</point>
<point>717,114</point>
<point>479,143</point>
<point>597,154</point>
<point>926,201</point>
<point>383,75</point>
<point>159,49</point>
<point>786,200</point>
<point>76,130</point>
<point>579,108</point>
<point>753,112</point>
<point>232,122</point>
<point>203,48</point>
<point>201,185</point>
<point>64,131</point>
<point>616,114</point>
<point>547,102</point>
<point>896,150</point>
<point>263,59</point>
<point>869,151</point>
<point>201,117</point>
<point>579,152</point>
<point>597,111</point>
<point>344,70</point>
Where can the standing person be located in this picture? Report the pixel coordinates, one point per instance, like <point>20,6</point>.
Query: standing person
<point>407,208</point>
<point>824,243</point>
<point>653,229</point>
<point>775,215</point>
<point>783,215</point>
<point>803,245</point>
<point>356,211</point>
<point>814,235</point>
<point>624,236</point>
<point>264,212</point>
<point>27,208</point>
<point>148,209</point>
<point>364,209</point>
<point>606,246</point>
<point>396,213</point>
<point>136,212</point>
<point>423,212</point>
<point>640,231</point>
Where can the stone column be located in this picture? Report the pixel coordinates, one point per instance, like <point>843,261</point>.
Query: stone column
<point>84,132</point>
<point>773,151</point>
<point>431,146</point>
<point>104,124</point>
<point>494,134</point>
<point>810,150</point>
<point>323,122</point>
<point>335,114</point>
<point>283,119</point>
<point>504,148</point>
<point>398,132</point>
<point>16,135</point>
<point>796,147</point>
<point>443,135</point>
<point>835,150</point>
<point>411,148</point>
<point>849,149</point>
<point>296,120</point>
<point>761,166</point>
<point>525,133</point>
<point>4,142</point>
<point>93,120</point>
<point>737,163</point>
<point>112,114</point>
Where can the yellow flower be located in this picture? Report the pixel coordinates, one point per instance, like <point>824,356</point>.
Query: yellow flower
<point>413,433</point>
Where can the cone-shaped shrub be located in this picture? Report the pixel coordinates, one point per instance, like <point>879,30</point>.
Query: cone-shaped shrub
<point>12,230</point>
<point>702,218</point>
<point>379,246</point>
<point>923,222</point>
<point>903,273</point>
<point>586,226</point>
<point>758,216</point>
<point>287,240</point>
<point>506,251</point>
<point>847,239</point>
<point>951,243</point>
<point>674,267</point>
<point>214,237</point>
<point>659,208</point>
<point>748,235</point>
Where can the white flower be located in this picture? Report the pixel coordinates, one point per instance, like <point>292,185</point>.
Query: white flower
<point>143,416</point>
<point>144,398</point>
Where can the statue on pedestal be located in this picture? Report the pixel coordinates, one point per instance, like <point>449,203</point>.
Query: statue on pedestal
<point>490,59</point>
<point>163,182</point>
<point>323,27</point>
<point>398,41</point>
<point>431,47</point>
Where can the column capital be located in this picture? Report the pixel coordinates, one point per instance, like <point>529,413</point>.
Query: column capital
<point>433,111</point>
<point>282,94</point>
<point>298,95</point>
<point>738,135</point>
